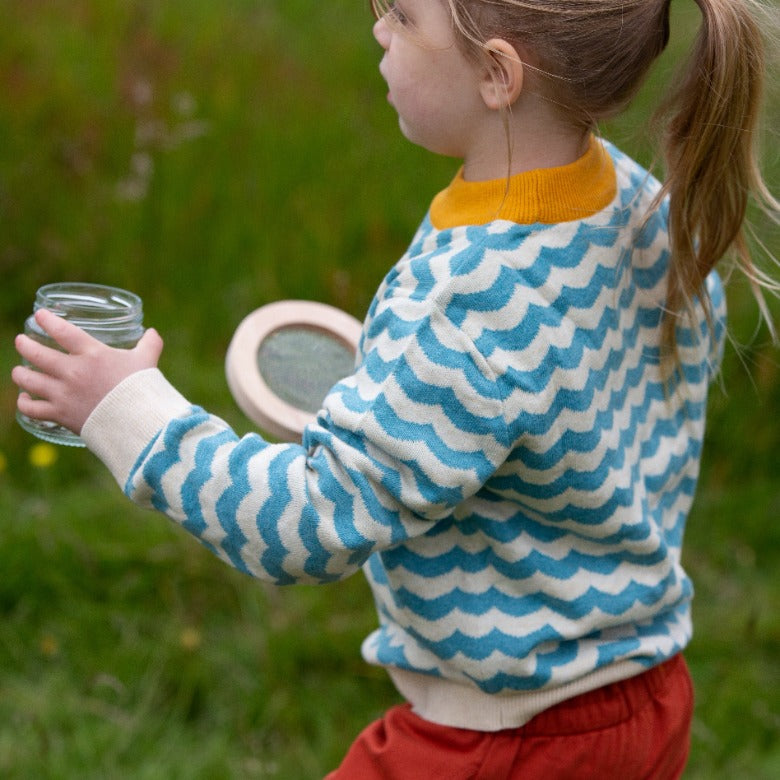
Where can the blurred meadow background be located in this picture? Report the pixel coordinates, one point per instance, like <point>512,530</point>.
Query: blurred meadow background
<point>213,157</point>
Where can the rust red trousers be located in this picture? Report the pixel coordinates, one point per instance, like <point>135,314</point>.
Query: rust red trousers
<point>635,729</point>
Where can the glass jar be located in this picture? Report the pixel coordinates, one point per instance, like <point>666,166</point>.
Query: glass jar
<point>111,315</point>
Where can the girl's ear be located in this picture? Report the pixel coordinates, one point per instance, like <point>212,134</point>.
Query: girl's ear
<point>502,80</point>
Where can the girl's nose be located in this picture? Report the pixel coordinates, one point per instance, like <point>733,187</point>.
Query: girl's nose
<point>382,32</point>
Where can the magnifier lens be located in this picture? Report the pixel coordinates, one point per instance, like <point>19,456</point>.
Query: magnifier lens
<point>300,365</point>
<point>283,360</point>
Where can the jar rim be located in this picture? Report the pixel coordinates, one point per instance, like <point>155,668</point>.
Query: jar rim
<point>88,303</point>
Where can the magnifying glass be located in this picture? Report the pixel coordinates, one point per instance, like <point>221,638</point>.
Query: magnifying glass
<point>284,358</point>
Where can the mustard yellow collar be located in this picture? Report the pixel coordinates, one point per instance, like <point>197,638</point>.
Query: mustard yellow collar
<point>546,195</point>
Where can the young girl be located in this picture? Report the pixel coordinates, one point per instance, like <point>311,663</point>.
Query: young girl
<point>513,460</point>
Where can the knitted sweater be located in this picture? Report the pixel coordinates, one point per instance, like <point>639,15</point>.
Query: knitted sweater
<point>505,464</point>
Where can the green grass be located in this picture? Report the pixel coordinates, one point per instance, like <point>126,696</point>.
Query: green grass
<point>213,157</point>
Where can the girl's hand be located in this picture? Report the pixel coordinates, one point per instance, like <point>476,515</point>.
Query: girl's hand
<point>65,387</point>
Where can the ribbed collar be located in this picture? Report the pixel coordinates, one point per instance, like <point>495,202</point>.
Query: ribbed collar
<point>546,195</point>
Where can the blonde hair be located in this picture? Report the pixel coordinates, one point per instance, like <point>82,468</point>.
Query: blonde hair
<point>591,57</point>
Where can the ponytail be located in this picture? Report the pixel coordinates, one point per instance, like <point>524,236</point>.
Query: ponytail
<point>710,155</point>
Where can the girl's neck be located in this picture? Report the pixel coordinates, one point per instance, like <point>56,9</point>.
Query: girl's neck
<point>526,154</point>
<point>527,139</point>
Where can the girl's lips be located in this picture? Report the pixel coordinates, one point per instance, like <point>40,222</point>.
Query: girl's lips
<point>382,74</point>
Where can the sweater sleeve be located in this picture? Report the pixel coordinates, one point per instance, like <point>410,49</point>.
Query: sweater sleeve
<point>718,322</point>
<point>396,446</point>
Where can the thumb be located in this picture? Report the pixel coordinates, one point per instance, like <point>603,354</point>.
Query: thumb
<point>150,347</point>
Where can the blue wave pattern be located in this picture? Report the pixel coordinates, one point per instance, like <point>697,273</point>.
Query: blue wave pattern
<point>505,463</point>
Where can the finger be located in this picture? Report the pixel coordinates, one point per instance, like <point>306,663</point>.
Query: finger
<point>150,346</point>
<point>36,408</point>
<point>42,357</point>
<point>69,336</point>
<point>31,381</point>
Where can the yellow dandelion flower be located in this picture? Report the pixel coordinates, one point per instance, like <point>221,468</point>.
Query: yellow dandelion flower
<point>190,639</point>
<point>43,456</point>
<point>50,647</point>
